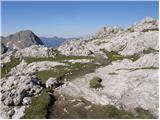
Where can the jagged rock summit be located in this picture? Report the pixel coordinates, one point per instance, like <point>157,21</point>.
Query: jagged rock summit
<point>21,39</point>
<point>107,31</point>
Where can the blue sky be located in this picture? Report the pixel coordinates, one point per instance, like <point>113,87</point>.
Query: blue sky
<point>72,19</point>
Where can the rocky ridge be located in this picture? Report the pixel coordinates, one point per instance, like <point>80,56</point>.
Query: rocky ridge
<point>21,40</point>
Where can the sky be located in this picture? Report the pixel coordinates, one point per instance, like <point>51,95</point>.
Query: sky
<point>72,19</point>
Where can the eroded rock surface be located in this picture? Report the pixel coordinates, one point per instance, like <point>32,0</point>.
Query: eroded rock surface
<point>125,83</point>
<point>34,51</point>
<point>14,90</point>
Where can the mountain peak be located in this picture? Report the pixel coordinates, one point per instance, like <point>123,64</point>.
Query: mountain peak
<point>21,39</point>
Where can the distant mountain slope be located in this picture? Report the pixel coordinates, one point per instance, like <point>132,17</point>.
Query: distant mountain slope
<point>52,41</point>
<point>21,40</point>
<point>55,41</point>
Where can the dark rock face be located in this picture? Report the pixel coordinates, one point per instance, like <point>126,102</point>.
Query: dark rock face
<point>3,48</point>
<point>21,40</point>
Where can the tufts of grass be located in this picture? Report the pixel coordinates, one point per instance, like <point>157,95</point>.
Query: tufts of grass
<point>143,114</point>
<point>8,66</point>
<point>114,56</point>
<point>57,72</point>
<point>39,107</point>
<point>147,30</point>
<point>34,59</point>
<point>115,113</point>
<point>95,82</point>
<point>149,50</point>
<point>133,57</point>
<point>57,57</point>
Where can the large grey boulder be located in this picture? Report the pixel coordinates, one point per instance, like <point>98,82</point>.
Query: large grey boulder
<point>21,40</point>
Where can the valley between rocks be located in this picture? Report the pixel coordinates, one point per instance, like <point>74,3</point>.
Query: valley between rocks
<point>113,74</point>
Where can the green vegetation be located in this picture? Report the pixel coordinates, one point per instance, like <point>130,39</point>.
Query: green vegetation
<point>59,71</point>
<point>149,50</point>
<point>113,56</point>
<point>147,30</point>
<point>143,114</point>
<point>8,66</point>
<point>58,57</point>
<point>39,107</point>
<point>130,29</point>
<point>115,113</point>
<point>95,82</point>
<point>34,59</point>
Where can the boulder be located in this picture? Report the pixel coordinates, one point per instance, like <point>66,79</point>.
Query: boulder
<point>26,101</point>
<point>51,83</point>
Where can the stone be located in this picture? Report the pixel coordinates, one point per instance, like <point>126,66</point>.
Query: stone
<point>26,101</point>
<point>51,83</point>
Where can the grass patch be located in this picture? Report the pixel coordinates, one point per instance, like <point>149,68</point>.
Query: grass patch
<point>133,57</point>
<point>58,71</point>
<point>58,57</point>
<point>95,82</point>
<point>34,59</point>
<point>115,113</point>
<point>114,56</point>
<point>147,30</point>
<point>8,66</point>
<point>39,107</point>
<point>149,50</point>
<point>143,114</point>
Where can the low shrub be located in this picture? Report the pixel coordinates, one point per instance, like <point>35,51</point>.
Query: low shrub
<point>8,66</point>
<point>95,82</point>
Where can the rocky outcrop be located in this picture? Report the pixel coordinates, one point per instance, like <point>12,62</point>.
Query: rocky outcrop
<point>34,51</point>
<point>108,31</point>
<point>125,83</point>
<point>15,94</point>
<point>147,24</point>
<point>3,48</point>
<point>24,68</point>
<point>75,48</point>
<point>21,40</point>
<point>125,42</point>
